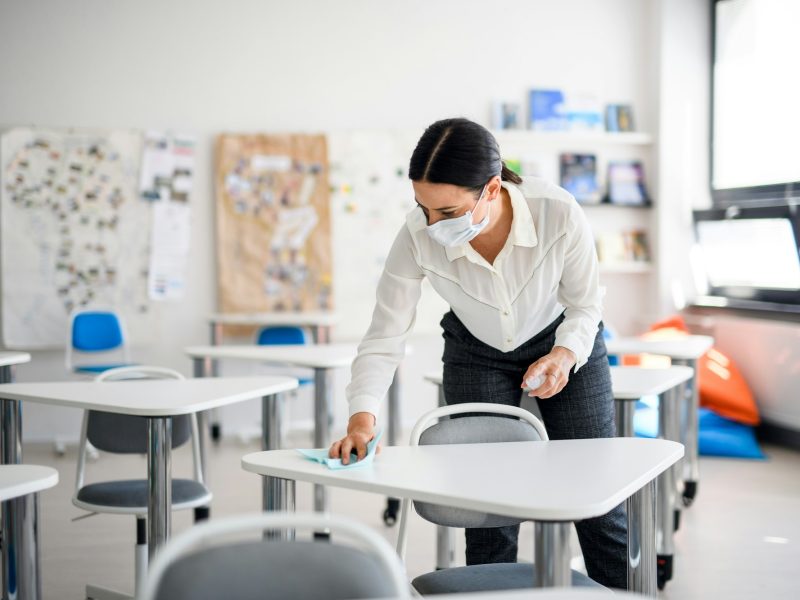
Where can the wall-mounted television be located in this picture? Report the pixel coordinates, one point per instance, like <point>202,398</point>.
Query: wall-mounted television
<point>748,257</point>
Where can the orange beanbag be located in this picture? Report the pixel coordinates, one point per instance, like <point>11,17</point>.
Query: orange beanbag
<point>722,386</point>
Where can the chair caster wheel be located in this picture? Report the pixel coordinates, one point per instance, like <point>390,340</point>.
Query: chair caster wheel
<point>689,492</point>
<point>390,514</point>
<point>663,570</point>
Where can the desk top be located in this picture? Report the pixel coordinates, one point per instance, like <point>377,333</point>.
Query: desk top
<point>21,480</point>
<point>13,358</point>
<point>323,319</point>
<point>319,356</point>
<point>574,593</point>
<point>631,383</point>
<point>565,480</point>
<point>149,398</point>
<point>686,348</point>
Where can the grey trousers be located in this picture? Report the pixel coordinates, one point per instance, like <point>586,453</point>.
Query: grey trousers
<point>476,372</point>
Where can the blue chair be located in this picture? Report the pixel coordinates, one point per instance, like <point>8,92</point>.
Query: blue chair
<point>94,331</point>
<point>290,335</point>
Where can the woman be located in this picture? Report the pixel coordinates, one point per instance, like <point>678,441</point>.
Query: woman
<point>515,260</point>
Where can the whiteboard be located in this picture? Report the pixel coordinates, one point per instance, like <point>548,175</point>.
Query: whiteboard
<point>74,231</point>
<point>370,197</point>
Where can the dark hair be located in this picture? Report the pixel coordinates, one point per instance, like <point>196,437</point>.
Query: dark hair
<point>459,152</point>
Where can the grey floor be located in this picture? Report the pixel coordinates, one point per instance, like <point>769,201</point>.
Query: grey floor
<point>740,540</point>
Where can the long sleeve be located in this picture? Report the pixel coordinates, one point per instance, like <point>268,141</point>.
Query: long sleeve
<point>383,346</point>
<point>579,290</point>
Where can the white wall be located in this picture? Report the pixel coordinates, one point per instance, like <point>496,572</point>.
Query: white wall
<point>266,65</point>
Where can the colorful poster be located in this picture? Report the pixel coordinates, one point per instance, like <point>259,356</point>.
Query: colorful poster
<point>74,231</point>
<point>273,223</point>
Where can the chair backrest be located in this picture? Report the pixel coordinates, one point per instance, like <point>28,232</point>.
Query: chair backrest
<point>96,331</point>
<point>472,423</point>
<point>202,563</point>
<point>126,434</point>
<point>282,334</point>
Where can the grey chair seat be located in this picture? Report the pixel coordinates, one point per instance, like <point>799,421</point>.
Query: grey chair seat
<point>276,570</point>
<point>486,578</point>
<point>132,494</point>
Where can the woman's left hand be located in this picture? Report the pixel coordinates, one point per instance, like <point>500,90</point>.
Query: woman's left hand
<point>555,368</point>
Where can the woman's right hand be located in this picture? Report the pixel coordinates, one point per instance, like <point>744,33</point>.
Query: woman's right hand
<point>360,430</point>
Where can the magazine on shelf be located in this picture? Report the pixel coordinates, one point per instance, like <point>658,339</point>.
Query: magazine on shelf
<point>626,183</point>
<point>579,177</point>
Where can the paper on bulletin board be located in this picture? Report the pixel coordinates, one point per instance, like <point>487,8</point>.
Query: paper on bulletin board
<point>166,179</point>
<point>273,223</point>
<point>170,250</point>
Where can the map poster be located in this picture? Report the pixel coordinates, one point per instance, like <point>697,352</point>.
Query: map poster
<point>273,223</point>
<point>74,230</point>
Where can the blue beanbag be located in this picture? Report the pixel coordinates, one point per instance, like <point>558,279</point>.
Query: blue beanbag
<point>718,436</point>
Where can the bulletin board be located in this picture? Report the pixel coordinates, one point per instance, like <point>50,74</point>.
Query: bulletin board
<point>273,223</point>
<point>74,231</point>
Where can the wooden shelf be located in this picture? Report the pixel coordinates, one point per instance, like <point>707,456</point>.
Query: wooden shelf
<point>573,138</point>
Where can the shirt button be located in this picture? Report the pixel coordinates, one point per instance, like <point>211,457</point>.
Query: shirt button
<point>505,312</point>
<point>509,340</point>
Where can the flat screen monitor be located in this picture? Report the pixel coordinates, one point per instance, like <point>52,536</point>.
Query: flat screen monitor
<point>748,257</point>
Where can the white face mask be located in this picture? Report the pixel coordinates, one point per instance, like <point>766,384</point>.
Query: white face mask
<point>458,231</point>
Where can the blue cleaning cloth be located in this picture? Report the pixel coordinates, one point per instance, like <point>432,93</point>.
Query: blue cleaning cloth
<point>321,456</point>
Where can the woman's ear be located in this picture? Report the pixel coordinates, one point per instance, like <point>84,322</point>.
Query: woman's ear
<point>493,188</point>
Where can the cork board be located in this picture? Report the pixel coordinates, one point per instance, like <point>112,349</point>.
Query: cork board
<point>273,223</point>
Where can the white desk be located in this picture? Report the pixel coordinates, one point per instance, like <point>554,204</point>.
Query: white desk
<point>323,359</point>
<point>158,401</point>
<point>319,322</point>
<point>554,483</point>
<point>7,362</point>
<point>545,594</point>
<point>683,351</point>
<point>19,484</point>
<point>21,480</point>
<point>629,384</point>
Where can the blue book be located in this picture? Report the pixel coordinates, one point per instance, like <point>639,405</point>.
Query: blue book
<point>579,177</point>
<point>547,110</point>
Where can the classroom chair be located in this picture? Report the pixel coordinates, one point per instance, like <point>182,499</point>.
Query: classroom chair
<point>95,331</point>
<point>435,427</point>
<point>203,563</point>
<point>290,335</point>
<point>126,434</point>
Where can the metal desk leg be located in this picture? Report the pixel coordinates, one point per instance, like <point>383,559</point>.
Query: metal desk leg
<point>212,370</point>
<point>624,417</point>
<point>393,434</point>
<point>274,488</point>
<point>159,483</point>
<point>551,554</point>
<point>323,392</point>
<point>668,417</point>
<point>445,536</point>
<point>20,548</point>
<point>691,469</point>
<point>199,369</point>
<point>642,541</point>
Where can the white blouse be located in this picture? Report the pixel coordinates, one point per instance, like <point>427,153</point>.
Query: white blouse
<point>547,266</point>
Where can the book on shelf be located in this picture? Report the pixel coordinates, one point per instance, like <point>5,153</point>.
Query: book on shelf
<point>546,110</point>
<point>623,247</point>
<point>578,175</point>
<point>626,183</point>
<point>506,115</point>
<point>553,110</point>
<point>619,117</point>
